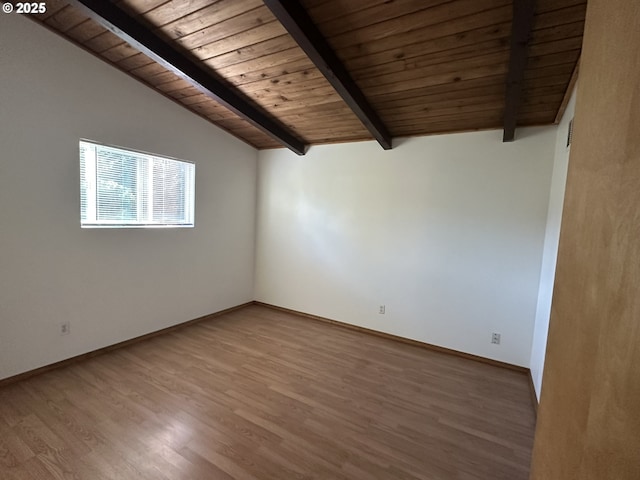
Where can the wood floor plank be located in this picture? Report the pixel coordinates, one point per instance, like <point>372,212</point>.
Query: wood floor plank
<point>264,394</point>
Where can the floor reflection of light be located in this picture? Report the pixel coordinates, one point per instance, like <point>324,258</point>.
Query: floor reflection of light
<point>176,432</point>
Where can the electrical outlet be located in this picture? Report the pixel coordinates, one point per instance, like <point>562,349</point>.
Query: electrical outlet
<point>495,338</point>
<point>382,310</point>
<point>65,328</point>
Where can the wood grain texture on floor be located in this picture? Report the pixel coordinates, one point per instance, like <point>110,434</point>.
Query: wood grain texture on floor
<point>262,394</point>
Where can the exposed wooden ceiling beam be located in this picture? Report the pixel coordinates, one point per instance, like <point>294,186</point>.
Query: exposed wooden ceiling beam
<point>300,26</point>
<point>523,15</point>
<point>137,35</point>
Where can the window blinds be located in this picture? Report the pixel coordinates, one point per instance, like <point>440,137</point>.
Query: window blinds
<point>124,188</point>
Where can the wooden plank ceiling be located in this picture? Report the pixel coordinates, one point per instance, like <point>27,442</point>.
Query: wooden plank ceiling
<point>425,66</point>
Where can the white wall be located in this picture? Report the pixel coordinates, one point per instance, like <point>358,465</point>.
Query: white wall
<point>111,285</point>
<point>446,231</point>
<point>550,252</point>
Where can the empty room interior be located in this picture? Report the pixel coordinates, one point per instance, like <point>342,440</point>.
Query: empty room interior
<point>320,239</point>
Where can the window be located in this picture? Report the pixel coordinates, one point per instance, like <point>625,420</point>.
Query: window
<point>128,189</point>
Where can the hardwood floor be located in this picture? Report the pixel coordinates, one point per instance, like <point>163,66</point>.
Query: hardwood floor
<point>262,394</point>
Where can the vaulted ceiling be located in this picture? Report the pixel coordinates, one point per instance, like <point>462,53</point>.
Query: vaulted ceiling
<point>383,68</point>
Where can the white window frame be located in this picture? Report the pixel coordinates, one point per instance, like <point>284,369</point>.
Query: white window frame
<point>144,189</point>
